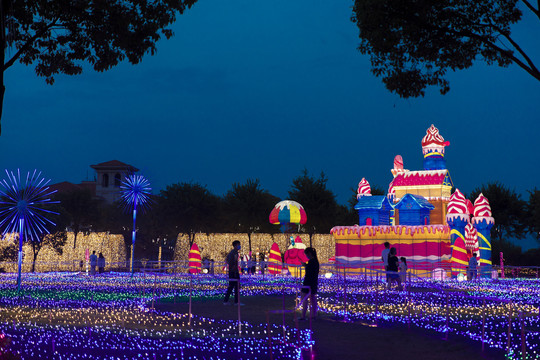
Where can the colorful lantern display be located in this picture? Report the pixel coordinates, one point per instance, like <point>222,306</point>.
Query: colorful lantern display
<point>274,260</point>
<point>287,213</point>
<point>295,257</point>
<point>194,259</point>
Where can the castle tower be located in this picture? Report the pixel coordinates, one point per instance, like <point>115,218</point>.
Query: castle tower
<point>458,218</point>
<point>364,189</point>
<point>433,145</point>
<point>471,240</point>
<point>483,222</point>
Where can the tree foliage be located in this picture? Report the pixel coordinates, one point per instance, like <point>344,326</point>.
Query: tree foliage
<point>318,201</point>
<point>247,207</point>
<point>57,236</point>
<point>189,208</point>
<point>414,43</point>
<point>59,36</point>
<point>507,208</point>
<point>81,209</point>
<point>533,213</point>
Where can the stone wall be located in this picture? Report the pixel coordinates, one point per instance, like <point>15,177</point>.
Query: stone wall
<point>216,246</point>
<point>111,245</point>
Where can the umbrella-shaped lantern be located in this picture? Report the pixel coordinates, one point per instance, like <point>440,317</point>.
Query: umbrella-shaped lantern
<point>287,213</point>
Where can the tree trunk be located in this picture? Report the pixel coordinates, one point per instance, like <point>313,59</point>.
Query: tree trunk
<point>35,250</point>
<point>75,233</point>
<point>2,59</point>
<point>191,237</point>
<point>249,241</point>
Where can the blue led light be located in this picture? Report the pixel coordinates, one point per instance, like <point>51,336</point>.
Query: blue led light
<point>22,208</point>
<point>135,191</point>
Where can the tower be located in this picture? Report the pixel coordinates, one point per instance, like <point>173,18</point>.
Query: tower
<point>458,218</point>
<point>109,176</point>
<point>433,145</point>
<point>483,222</point>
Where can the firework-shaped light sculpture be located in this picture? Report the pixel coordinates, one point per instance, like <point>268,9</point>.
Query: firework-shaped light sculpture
<point>22,208</point>
<point>135,193</point>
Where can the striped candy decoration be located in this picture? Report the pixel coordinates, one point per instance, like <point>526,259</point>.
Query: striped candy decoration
<point>481,206</point>
<point>194,259</point>
<point>274,260</point>
<point>457,203</point>
<point>471,241</point>
<point>363,189</point>
<point>459,258</point>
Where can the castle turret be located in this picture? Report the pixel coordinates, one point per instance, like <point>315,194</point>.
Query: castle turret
<point>471,241</point>
<point>433,145</point>
<point>457,215</point>
<point>363,189</point>
<point>457,218</point>
<point>483,222</point>
<point>372,210</point>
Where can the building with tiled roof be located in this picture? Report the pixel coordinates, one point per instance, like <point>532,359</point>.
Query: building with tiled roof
<point>109,176</point>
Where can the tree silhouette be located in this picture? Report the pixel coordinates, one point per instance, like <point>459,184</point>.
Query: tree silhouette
<point>508,209</point>
<point>533,213</point>
<point>81,209</point>
<point>247,207</point>
<point>414,43</point>
<point>59,36</point>
<point>318,201</point>
<point>189,208</point>
<point>56,235</point>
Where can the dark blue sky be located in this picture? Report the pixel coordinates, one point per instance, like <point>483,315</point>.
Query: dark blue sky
<point>250,89</point>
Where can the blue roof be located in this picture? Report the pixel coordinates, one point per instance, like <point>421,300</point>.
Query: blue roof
<point>372,202</point>
<point>420,201</point>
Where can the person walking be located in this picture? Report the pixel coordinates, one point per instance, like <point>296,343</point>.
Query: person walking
<point>473,264</point>
<point>234,274</point>
<point>101,263</point>
<point>93,263</point>
<point>384,258</point>
<point>311,279</point>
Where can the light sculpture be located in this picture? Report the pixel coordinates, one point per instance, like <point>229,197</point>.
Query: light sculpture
<point>22,209</point>
<point>135,190</point>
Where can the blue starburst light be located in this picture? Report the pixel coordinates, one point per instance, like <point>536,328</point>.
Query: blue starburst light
<point>22,208</point>
<point>135,191</point>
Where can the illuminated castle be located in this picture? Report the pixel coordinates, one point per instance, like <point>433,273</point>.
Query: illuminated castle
<point>420,217</point>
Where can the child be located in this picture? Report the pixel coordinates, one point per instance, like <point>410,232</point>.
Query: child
<point>311,279</point>
<point>403,269</point>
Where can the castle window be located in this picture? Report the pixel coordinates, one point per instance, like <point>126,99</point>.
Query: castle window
<point>105,180</point>
<point>117,180</point>
<point>369,222</point>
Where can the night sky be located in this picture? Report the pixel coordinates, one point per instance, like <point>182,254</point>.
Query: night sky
<point>250,89</point>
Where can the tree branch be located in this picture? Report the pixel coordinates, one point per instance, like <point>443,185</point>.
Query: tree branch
<point>518,48</point>
<point>529,5</point>
<point>25,47</point>
<point>533,71</point>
